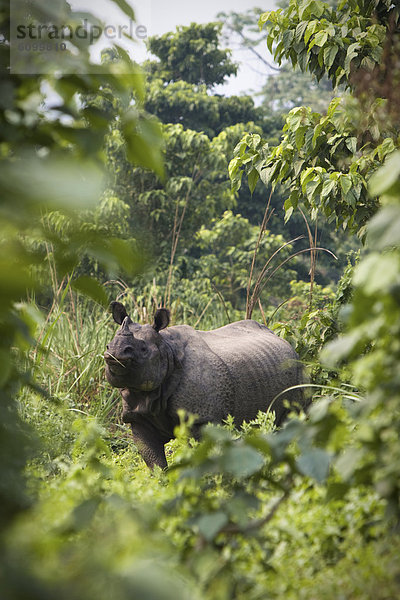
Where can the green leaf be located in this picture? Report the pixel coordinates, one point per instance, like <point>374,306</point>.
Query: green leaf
<point>384,228</point>
<point>252,179</point>
<point>56,182</point>
<point>312,188</point>
<point>259,442</point>
<point>83,513</point>
<point>327,187</point>
<point>92,288</point>
<point>217,434</point>
<point>314,463</point>
<point>126,8</point>
<point>299,137</point>
<point>377,273</point>
<point>288,213</point>
<point>311,7</point>
<point>345,184</point>
<point>319,410</point>
<point>319,39</point>
<point>303,59</point>
<point>127,255</point>
<point>280,440</point>
<point>264,19</point>
<point>210,524</point>
<point>386,176</point>
<point>287,38</point>
<point>347,463</point>
<point>340,348</point>
<point>300,29</point>
<point>336,490</point>
<point>240,506</point>
<point>311,28</point>
<point>351,144</point>
<point>242,461</point>
<point>270,41</point>
<point>143,141</point>
<point>352,52</point>
<point>329,55</point>
<point>317,8</point>
<point>306,176</point>
<point>387,147</point>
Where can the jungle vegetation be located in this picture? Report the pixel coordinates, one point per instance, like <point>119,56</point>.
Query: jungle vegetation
<point>140,182</point>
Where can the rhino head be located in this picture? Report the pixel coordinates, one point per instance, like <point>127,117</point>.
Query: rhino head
<point>137,357</point>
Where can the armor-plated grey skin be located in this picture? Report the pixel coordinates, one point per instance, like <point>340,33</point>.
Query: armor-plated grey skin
<point>237,369</point>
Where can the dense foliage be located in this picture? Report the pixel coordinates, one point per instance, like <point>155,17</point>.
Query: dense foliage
<point>52,165</point>
<point>285,87</point>
<point>200,131</point>
<point>193,56</point>
<point>350,191</point>
<point>100,199</point>
<point>321,161</point>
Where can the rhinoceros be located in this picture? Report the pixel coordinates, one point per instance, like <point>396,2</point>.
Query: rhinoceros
<point>235,370</point>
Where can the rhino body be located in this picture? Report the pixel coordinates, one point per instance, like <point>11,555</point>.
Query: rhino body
<point>237,369</point>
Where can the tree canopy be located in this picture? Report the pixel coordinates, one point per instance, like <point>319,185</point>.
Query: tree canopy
<point>192,55</point>
<point>326,159</point>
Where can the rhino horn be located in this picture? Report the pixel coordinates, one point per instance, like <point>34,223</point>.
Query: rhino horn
<point>125,327</point>
<point>122,347</point>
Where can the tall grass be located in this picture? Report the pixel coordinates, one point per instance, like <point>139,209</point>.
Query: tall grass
<point>68,359</point>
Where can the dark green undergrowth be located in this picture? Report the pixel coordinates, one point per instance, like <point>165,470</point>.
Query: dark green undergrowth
<point>245,513</point>
<point>216,525</point>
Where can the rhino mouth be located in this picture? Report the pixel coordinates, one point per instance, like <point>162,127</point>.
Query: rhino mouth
<point>116,366</point>
<point>125,372</point>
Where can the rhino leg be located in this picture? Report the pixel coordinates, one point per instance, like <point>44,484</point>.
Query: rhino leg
<point>150,444</point>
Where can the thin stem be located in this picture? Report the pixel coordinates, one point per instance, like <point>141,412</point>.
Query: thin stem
<point>313,262</point>
<point>176,232</point>
<point>262,312</point>
<point>220,296</point>
<point>256,291</point>
<point>290,258</point>
<point>314,266</point>
<point>203,311</point>
<point>277,308</point>
<point>266,218</point>
<point>254,51</point>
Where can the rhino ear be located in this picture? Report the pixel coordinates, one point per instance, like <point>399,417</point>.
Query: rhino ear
<point>161,319</point>
<point>118,312</point>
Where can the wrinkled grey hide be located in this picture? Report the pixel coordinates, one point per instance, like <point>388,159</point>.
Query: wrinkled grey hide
<point>237,369</point>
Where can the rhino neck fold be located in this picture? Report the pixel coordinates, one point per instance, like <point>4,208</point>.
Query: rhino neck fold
<point>136,402</point>
<point>153,402</point>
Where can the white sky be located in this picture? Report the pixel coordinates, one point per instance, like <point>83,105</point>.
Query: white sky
<point>160,16</point>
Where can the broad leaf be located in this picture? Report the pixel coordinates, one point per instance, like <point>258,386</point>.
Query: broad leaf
<point>92,288</point>
<point>210,524</point>
<point>314,463</point>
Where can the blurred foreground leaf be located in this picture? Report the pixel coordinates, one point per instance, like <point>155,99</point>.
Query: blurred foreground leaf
<point>90,287</point>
